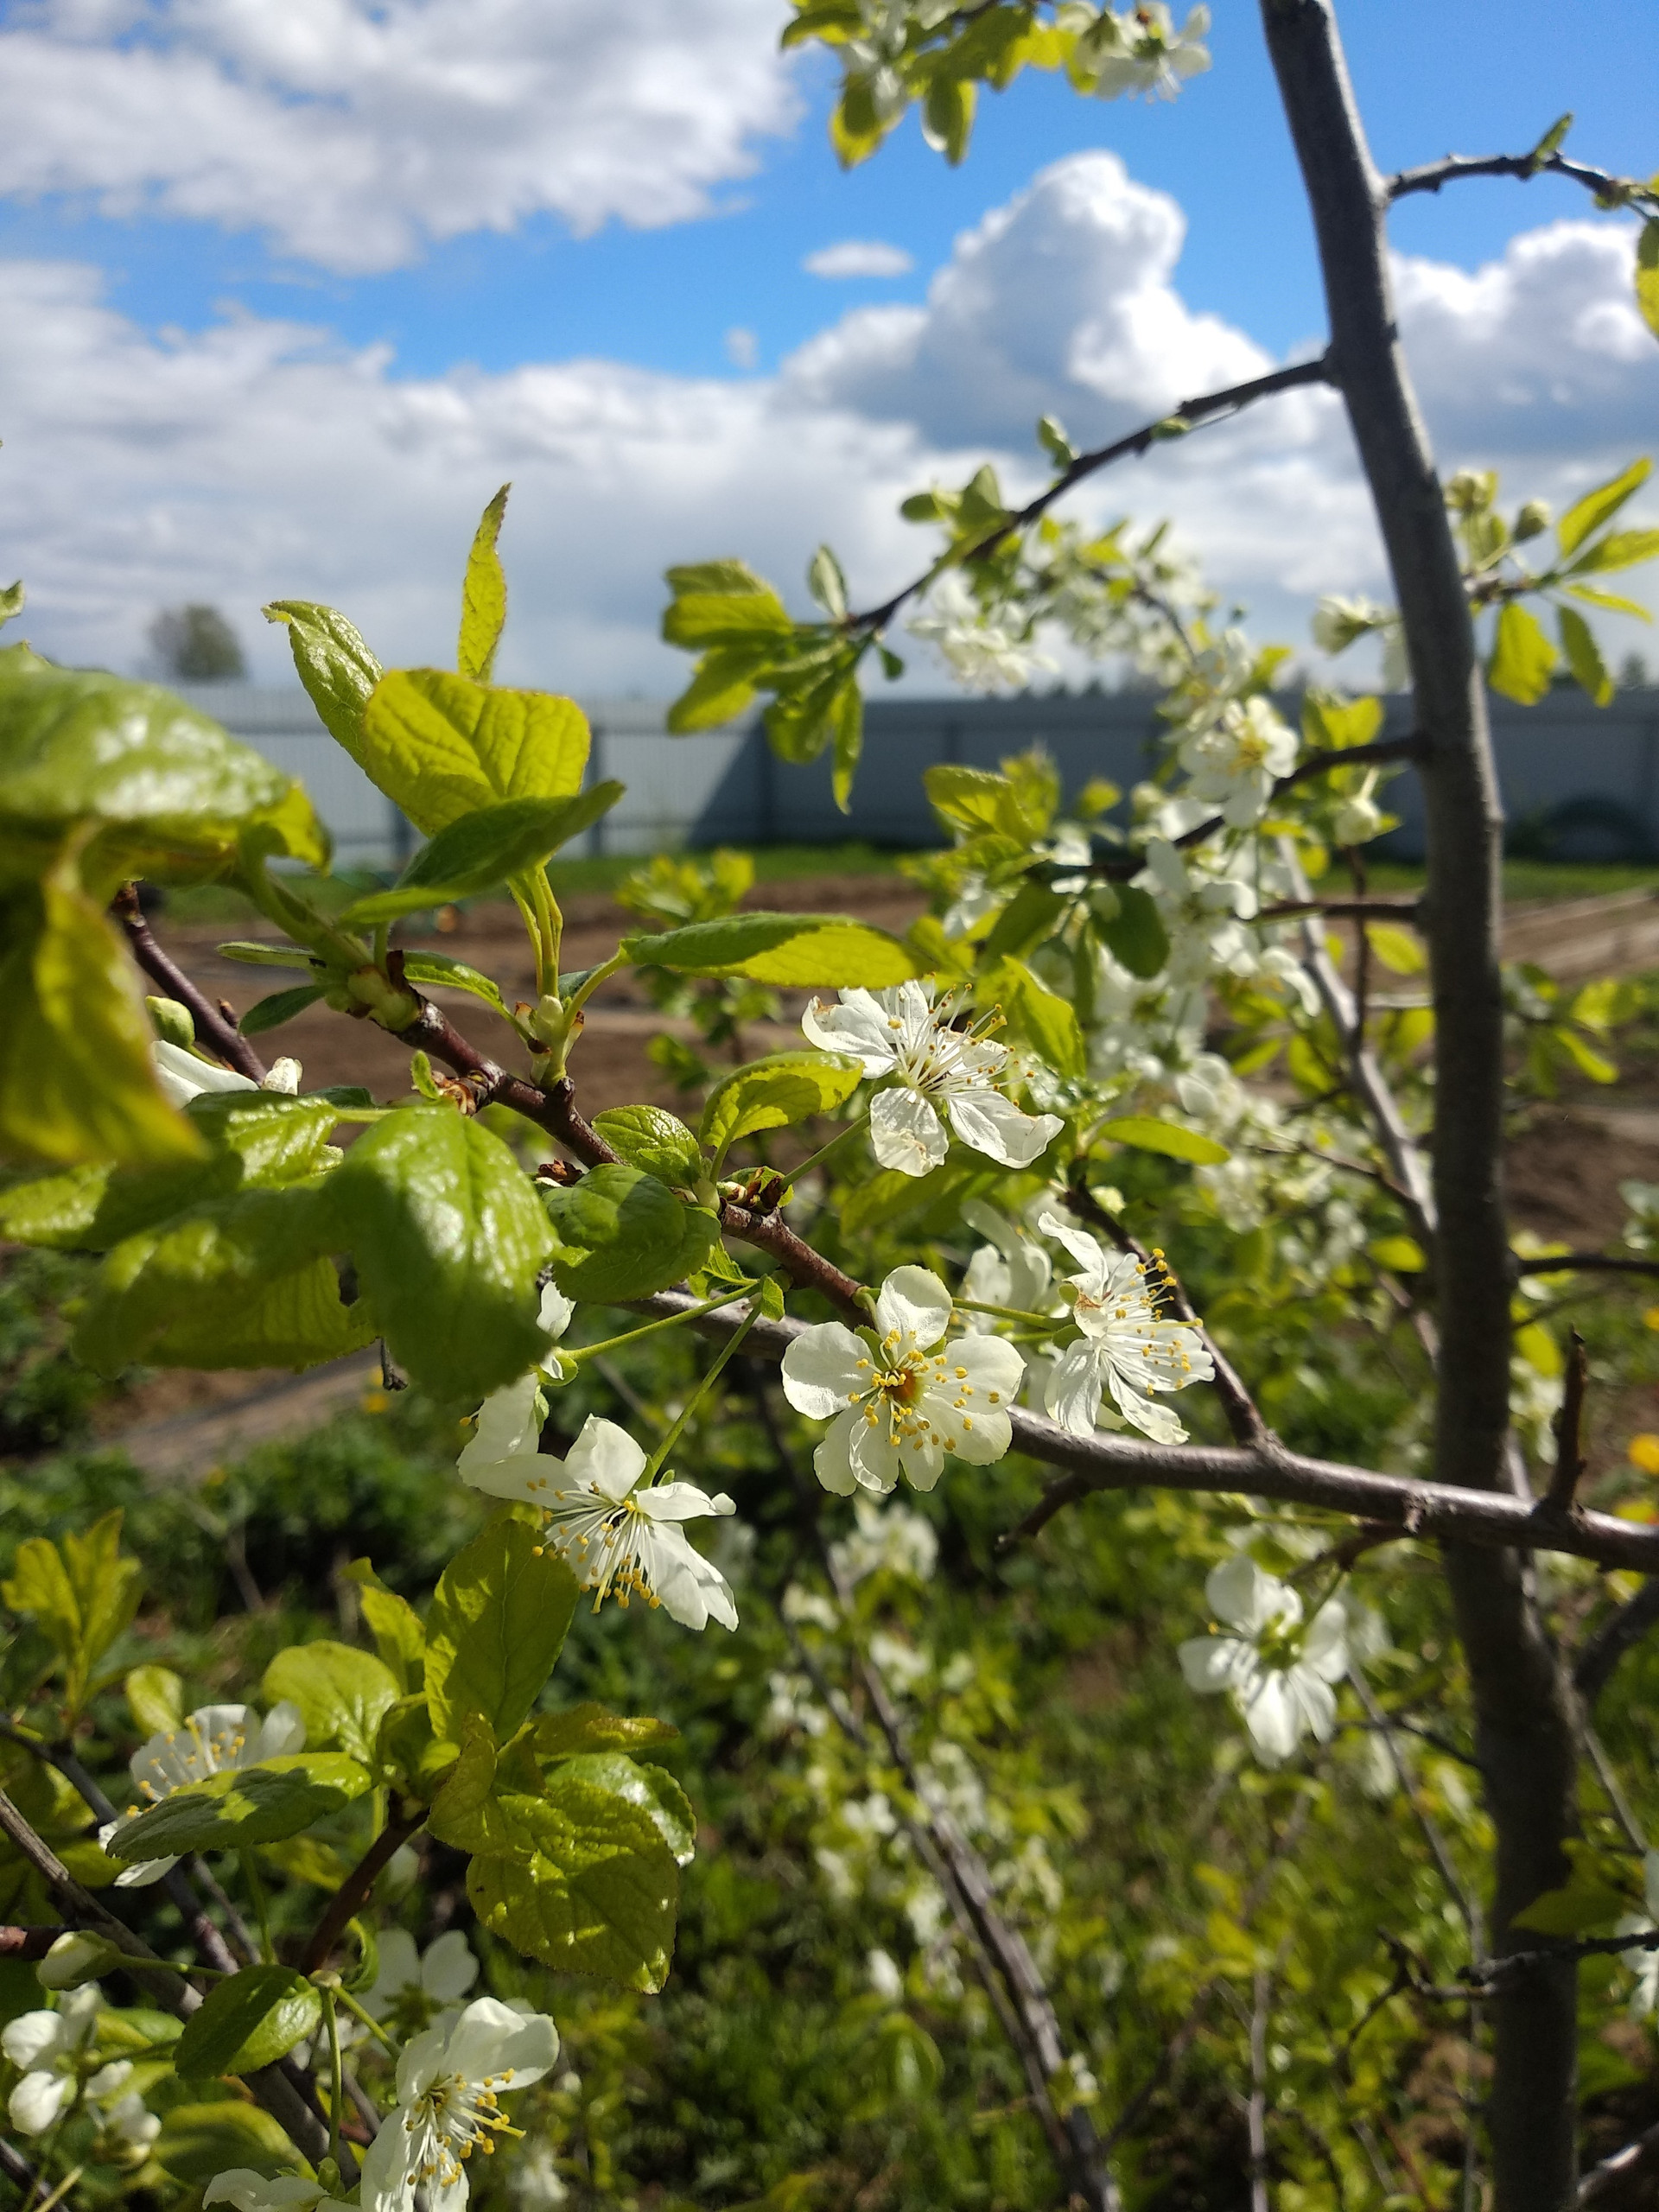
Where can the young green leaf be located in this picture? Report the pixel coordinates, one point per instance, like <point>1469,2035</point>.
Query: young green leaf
<point>772,1093</point>
<point>200,2142</point>
<point>847,732</point>
<point>440,747</point>
<point>483,849</point>
<point>620,1234</point>
<point>278,1007</point>
<point>1584,656</point>
<point>805,950</point>
<point>1040,1019</point>
<point>827,584</point>
<point>590,1728</point>
<point>1621,548</point>
<point>1522,657</point>
<point>484,595</point>
<point>249,2021</point>
<point>394,1625</point>
<point>1585,516</point>
<point>1647,274</point>
<point>156,1699</point>
<point>646,1138</point>
<point>342,1694</point>
<point>498,1624</point>
<point>1136,936</point>
<point>448,1239</point>
<point>1146,1134</point>
<point>650,1787</point>
<point>333,662</point>
<point>244,1806</point>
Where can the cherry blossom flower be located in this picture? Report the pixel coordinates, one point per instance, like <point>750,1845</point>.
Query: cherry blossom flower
<point>899,1405</point>
<point>1234,760</point>
<point>250,2191</point>
<point>902,1032</point>
<point>450,2083</point>
<point>980,652</point>
<point>1152,56</point>
<point>183,1075</point>
<point>1013,1269</point>
<point>47,2049</point>
<point>1127,1346</point>
<point>214,1739</point>
<point>415,1984</point>
<point>509,1422</point>
<point>1277,1669</point>
<point>620,1538</point>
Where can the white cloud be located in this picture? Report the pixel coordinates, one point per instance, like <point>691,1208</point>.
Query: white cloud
<point>260,459</point>
<point>352,133</point>
<point>859,257</point>
<point>742,348</point>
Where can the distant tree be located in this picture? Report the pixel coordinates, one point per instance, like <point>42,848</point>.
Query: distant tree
<point>1634,674</point>
<point>196,644</point>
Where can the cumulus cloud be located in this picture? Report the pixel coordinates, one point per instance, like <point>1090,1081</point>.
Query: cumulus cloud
<point>353,132</point>
<point>859,257</point>
<point>260,459</point>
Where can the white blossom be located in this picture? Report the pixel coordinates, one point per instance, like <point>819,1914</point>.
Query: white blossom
<point>507,1434</point>
<point>1147,54</point>
<point>250,2191</point>
<point>1234,760</point>
<point>414,1983</point>
<point>128,2129</point>
<point>886,1537</point>
<point>620,1540</point>
<point>450,2083</point>
<point>900,1404</point>
<point>982,652</point>
<point>902,1034</point>
<point>1013,1269</point>
<point>1277,1669</point>
<point>1127,1346</point>
<point>184,1075</point>
<point>215,1738</point>
<point>47,2049</point>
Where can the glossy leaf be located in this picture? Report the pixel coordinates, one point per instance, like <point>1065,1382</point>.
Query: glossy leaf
<point>484,595</point>
<point>620,1234</point>
<point>774,1093</point>
<point>653,1788</point>
<point>448,1238</point>
<point>1145,1134</point>
<point>442,747</point>
<point>247,1805</point>
<point>1585,516</point>
<point>342,1694</point>
<point>804,949</point>
<point>497,1626</point>
<point>482,850</point>
<point>333,662</point>
<point>249,2021</point>
<point>1522,657</point>
<point>647,1138</point>
<point>590,1727</point>
<point>199,2142</point>
<point>280,1006</point>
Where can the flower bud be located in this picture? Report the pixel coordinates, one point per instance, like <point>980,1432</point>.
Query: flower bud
<point>173,1023</point>
<point>1535,517</point>
<point>76,1958</point>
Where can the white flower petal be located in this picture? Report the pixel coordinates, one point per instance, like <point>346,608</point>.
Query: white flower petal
<point>906,1134</point>
<point>1271,1716</point>
<point>832,1461</point>
<point>681,1501</point>
<point>858,1026</point>
<point>556,1311</point>
<point>692,1590</point>
<point>823,1370</point>
<point>1325,1650</point>
<point>606,1459</point>
<point>913,1302</point>
<point>1159,1422</point>
<point>509,1427</point>
<point>37,2100</point>
<point>990,1123</point>
<point>872,1455</point>
<point>281,1731</point>
<point>1072,1392</point>
<point>491,2038</point>
<point>182,1077</point>
<point>252,2192</point>
<point>1083,1249</point>
<point>32,2038</point>
<point>1215,1663</point>
<point>449,1969</point>
<point>398,1968</point>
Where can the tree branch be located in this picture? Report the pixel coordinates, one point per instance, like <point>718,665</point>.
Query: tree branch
<point>1622,1630</point>
<point>351,1895</point>
<point>1452,169</point>
<point>1569,1432</point>
<point>1494,1520</point>
<point>1191,412</point>
<point>1573,1263</point>
<point>170,981</point>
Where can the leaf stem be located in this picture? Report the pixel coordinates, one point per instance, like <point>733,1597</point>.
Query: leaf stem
<point>1049,1323</point>
<point>650,1328</point>
<point>336,2071</point>
<point>369,2021</point>
<point>823,1150</point>
<point>261,1909</point>
<point>654,1465</point>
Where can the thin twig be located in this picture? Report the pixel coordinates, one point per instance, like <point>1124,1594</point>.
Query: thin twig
<point>1569,1432</point>
<point>213,1030</point>
<point>1627,1626</point>
<point>1565,1263</point>
<point>1452,169</point>
<point>1257,2109</point>
<point>353,1893</point>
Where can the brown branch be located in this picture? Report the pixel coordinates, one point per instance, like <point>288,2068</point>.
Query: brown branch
<point>1594,1666</point>
<point>1191,413</point>
<point>353,1894</point>
<point>213,1030</point>
<point>1569,1432</point>
<point>1372,909</point>
<point>1243,1415</point>
<point>1429,177</point>
<point>1625,2165</point>
<point>1429,1511</point>
<point>17,2170</point>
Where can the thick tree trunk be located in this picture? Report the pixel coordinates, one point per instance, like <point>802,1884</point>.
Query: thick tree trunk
<point>1525,1722</point>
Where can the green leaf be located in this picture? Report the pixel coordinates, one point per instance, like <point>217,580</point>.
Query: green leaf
<point>1522,657</point>
<point>336,669</point>
<point>106,1585</point>
<point>805,950</point>
<point>394,1625</point>
<point>1024,923</point>
<point>77,1081</point>
<point>12,600</point>
<point>441,745</point>
<point>342,1694</point>
<point>484,595</point>
<point>158,787</point>
<point>1334,724</point>
<point>247,1805</point>
<point>1611,600</point>
<point>1552,139</point>
<point>1136,936</point>
<point>948,115</point>
<point>448,1238</point>
<point>1585,516</point>
<point>1585,1059</point>
<point>200,2142</point>
<point>1040,1019</point>
<point>720,690</point>
<point>646,1137</point>
<point>590,1728</point>
<point>1584,656</point>
<point>653,1788</point>
<point>620,1234</point>
<point>827,584</point>
<point>271,1012</point>
<point>498,1624</point>
<point>774,1093</point>
<point>1624,549</point>
<point>39,1588</point>
<point>1588,1899</point>
<point>483,849</point>
<point>156,1699</point>
<point>1647,274</point>
<point>1400,953</point>
<point>846,728</point>
<point>1402,1255</point>
<point>722,602</point>
<point>238,1282</point>
<point>249,2021</point>
<point>590,1888</point>
<point>1146,1134</point>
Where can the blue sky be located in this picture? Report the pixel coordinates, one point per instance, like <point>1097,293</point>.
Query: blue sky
<point>179,188</point>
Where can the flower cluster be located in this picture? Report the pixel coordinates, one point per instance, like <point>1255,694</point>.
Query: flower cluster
<point>210,1741</point>
<point>1277,1668</point>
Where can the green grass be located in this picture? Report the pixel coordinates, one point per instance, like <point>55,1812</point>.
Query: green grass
<point>1527,878</point>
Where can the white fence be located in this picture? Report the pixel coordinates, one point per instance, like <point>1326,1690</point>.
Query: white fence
<point>1579,782</point>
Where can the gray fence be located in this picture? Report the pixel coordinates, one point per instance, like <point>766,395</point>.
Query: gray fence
<point>1579,782</point>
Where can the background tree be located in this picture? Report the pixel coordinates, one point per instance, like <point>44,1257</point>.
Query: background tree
<point>196,644</point>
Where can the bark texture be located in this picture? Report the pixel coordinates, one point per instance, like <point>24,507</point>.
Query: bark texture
<point>1526,1726</point>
